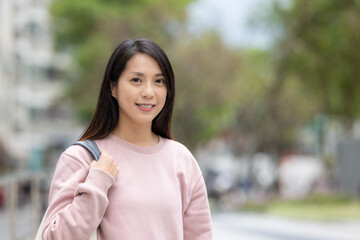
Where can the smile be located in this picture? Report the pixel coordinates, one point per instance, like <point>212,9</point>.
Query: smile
<point>146,107</point>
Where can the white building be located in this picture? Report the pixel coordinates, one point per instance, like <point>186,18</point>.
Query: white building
<point>30,81</point>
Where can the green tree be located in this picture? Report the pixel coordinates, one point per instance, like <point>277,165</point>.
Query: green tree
<point>206,72</point>
<point>322,40</point>
<point>270,110</point>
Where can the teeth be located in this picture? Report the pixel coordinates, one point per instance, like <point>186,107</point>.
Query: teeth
<point>146,106</point>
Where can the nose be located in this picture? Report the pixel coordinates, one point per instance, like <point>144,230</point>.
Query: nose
<point>148,91</point>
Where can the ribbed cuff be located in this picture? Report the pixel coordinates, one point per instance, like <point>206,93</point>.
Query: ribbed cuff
<point>100,179</point>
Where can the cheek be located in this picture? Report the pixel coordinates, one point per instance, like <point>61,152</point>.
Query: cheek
<point>163,96</point>
<point>125,95</point>
<point>125,100</point>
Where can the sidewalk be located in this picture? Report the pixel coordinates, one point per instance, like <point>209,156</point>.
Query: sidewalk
<point>25,224</point>
<point>227,226</point>
<point>235,226</point>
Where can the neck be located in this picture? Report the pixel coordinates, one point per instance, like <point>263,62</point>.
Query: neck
<point>140,135</point>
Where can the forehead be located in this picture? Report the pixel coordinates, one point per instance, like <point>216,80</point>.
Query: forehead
<point>142,62</point>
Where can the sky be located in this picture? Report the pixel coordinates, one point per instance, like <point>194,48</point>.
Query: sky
<point>231,19</point>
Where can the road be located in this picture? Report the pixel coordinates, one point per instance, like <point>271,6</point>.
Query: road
<point>235,226</point>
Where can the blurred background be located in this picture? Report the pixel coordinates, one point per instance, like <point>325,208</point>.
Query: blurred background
<point>267,100</point>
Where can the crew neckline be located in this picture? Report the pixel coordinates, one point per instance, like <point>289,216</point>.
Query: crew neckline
<point>135,148</point>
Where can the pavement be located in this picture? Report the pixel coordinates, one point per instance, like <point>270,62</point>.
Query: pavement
<point>25,224</point>
<point>227,226</point>
<point>239,226</point>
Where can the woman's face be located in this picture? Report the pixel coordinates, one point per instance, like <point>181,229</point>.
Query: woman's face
<point>140,91</point>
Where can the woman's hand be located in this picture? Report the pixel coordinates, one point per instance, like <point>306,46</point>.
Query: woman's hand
<point>106,163</point>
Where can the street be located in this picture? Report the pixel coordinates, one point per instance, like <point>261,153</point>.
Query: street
<point>235,226</point>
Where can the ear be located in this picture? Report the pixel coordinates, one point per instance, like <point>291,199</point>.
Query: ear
<point>113,90</point>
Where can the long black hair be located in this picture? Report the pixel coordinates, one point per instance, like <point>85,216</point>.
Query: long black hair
<point>106,115</point>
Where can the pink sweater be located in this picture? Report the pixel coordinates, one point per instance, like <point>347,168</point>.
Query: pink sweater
<point>159,194</point>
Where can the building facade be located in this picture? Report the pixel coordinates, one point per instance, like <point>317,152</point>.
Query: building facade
<point>32,118</point>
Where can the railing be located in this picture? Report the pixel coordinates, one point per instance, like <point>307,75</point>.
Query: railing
<point>23,188</point>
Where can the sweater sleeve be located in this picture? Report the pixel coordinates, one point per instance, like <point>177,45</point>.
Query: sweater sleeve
<point>78,197</point>
<point>197,219</point>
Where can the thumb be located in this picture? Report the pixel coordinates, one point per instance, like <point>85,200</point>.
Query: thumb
<point>103,151</point>
<point>92,163</point>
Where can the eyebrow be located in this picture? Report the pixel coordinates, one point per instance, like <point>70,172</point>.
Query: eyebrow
<point>140,74</point>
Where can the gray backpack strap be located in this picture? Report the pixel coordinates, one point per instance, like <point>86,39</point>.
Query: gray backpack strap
<point>91,146</point>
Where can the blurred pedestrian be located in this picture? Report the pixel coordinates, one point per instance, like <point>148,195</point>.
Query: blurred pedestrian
<point>145,185</point>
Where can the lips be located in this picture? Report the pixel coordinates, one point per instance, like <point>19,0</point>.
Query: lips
<point>145,107</point>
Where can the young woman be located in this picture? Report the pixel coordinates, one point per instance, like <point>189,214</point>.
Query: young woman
<point>145,185</point>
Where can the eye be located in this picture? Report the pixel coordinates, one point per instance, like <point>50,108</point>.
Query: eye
<point>160,81</point>
<point>135,80</point>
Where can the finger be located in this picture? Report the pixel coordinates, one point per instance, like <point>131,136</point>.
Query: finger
<point>116,172</point>
<point>103,151</point>
<point>92,163</point>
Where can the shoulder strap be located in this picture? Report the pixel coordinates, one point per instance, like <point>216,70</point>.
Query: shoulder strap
<point>91,146</point>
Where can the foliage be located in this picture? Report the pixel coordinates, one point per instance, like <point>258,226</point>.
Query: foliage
<point>269,110</point>
<point>318,207</point>
<point>205,75</point>
<point>314,207</point>
<point>311,69</point>
<point>322,40</point>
